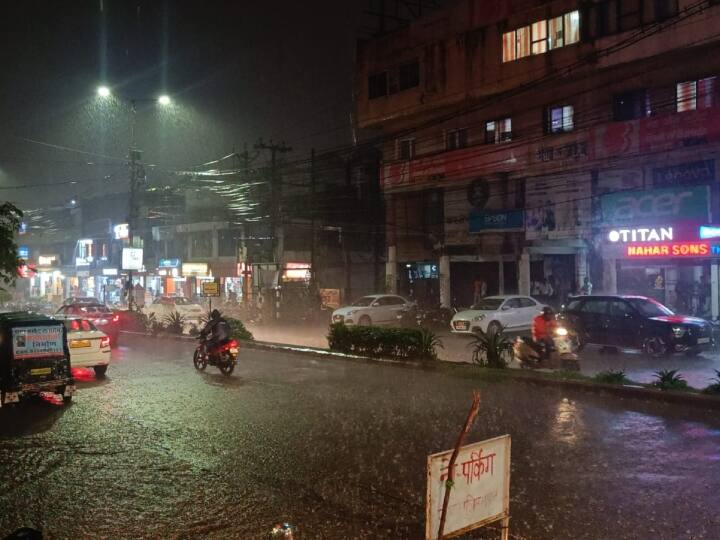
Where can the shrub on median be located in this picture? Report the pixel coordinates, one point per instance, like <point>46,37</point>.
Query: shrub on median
<point>238,330</point>
<point>375,341</point>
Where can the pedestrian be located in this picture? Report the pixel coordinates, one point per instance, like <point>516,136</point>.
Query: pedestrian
<point>587,287</point>
<point>479,289</point>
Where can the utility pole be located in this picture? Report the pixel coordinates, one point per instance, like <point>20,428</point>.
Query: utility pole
<point>247,274</point>
<point>276,226</point>
<point>313,202</point>
<point>135,157</point>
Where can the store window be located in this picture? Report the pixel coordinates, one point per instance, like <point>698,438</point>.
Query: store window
<point>697,94</point>
<point>456,138</point>
<point>497,131</point>
<point>631,105</point>
<point>560,119</point>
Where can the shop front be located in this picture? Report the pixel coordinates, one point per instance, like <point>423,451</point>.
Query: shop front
<point>675,264</point>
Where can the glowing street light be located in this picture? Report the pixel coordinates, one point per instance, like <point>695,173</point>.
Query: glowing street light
<point>164,100</point>
<point>103,91</point>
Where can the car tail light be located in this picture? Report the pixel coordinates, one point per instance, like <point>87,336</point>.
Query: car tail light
<point>104,342</point>
<point>116,318</point>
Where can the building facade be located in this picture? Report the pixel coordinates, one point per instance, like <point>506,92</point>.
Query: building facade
<point>534,144</point>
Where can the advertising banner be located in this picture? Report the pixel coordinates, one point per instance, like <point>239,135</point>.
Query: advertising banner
<point>37,341</point>
<point>665,205</point>
<point>132,258</point>
<point>557,206</point>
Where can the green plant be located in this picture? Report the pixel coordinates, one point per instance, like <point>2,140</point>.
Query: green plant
<point>714,388</point>
<point>238,330</point>
<point>611,376</point>
<point>402,343</point>
<point>669,379</point>
<point>490,348</point>
<point>174,323</point>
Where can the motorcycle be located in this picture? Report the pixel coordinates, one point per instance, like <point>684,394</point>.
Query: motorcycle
<point>563,354</point>
<point>223,356</point>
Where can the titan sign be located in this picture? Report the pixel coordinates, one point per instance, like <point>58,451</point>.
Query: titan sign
<point>660,234</point>
<point>672,249</point>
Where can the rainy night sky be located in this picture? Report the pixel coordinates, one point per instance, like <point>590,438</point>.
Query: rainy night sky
<point>236,71</point>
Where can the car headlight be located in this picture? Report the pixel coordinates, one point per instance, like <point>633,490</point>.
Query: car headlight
<point>561,331</point>
<point>678,331</point>
<point>479,318</point>
<point>351,312</point>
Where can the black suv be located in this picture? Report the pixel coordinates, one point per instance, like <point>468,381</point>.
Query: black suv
<point>636,322</point>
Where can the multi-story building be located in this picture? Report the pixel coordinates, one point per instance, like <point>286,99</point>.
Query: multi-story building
<point>530,144</point>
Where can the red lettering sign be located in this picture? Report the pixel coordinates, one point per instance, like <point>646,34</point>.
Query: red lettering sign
<point>675,249</point>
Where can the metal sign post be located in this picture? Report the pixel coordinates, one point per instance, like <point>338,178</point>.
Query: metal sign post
<point>210,290</point>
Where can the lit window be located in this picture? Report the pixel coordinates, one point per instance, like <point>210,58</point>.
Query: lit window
<point>555,39</point>
<point>572,27</point>
<point>456,138</point>
<point>692,95</point>
<point>509,46</point>
<point>522,42</point>
<point>406,149</point>
<point>498,131</point>
<point>560,119</point>
<point>539,37</point>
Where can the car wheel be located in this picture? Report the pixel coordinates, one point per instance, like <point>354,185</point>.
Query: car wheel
<point>494,328</point>
<point>364,321</point>
<point>655,346</point>
<point>100,371</point>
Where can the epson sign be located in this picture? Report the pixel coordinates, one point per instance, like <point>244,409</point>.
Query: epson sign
<point>642,234</point>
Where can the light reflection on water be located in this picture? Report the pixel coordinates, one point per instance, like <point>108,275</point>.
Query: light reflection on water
<point>569,424</point>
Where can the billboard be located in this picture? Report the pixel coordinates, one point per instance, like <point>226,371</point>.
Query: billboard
<point>132,258</point>
<point>664,205</point>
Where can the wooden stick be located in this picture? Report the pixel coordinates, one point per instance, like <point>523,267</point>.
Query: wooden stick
<point>451,466</point>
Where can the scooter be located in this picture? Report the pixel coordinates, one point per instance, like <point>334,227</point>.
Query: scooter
<point>562,356</point>
<point>223,356</point>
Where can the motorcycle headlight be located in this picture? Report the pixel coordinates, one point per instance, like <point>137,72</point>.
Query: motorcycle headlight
<point>479,318</point>
<point>678,331</point>
<point>561,331</point>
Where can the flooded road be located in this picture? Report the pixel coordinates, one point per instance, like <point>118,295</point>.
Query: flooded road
<point>338,448</point>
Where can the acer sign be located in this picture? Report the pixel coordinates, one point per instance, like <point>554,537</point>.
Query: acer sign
<point>658,205</point>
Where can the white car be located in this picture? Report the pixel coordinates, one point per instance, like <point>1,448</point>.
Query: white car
<point>89,347</point>
<point>511,312</point>
<point>167,305</point>
<point>376,309</point>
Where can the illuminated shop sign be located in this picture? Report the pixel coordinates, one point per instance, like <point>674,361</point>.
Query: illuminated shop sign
<point>47,260</point>
<point>169,263</point>
<point>672,249</point>
<point>709,231</point>
<point>646,234</point>
<point>121,231</point>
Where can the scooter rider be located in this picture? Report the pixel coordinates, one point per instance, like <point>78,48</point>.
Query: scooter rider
<point>216,331</point>
<point>543,329</point>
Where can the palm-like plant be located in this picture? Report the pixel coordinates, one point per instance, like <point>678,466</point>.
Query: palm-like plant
<point>428,343</point>
<point>669,379</point>
<point>714,388</point>
<point>174,323</point>
<point>489,348</point>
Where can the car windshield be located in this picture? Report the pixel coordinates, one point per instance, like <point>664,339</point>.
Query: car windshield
<point>650,308</point>
<point>488,304</point>
<point>96,309</point>
<point>364,301</point>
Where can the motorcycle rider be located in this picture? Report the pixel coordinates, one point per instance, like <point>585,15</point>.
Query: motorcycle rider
<point>216,331</point>
<point>543,329</point>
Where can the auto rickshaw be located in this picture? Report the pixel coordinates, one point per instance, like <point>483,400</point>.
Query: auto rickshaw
<point>34,357</point>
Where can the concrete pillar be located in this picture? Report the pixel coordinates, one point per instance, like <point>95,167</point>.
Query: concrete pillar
<point>609,284</point>
<point>501,278</point>
<point>391,271</point>
<point>581,268</point>
<point>524,274</point>
<point>714,291</point>
<point>445,292</point>
<point>215,244</point>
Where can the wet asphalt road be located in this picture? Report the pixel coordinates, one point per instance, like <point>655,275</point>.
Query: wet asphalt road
<point>338,448</point>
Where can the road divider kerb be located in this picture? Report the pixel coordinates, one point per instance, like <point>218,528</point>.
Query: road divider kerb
<point>532,377</point>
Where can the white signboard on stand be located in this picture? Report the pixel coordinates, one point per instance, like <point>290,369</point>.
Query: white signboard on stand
<point>481,490</point>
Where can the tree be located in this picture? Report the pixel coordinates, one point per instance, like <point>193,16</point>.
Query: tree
<point>10,217</point>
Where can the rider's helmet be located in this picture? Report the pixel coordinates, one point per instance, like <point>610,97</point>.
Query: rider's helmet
<point>215,314</point>
<point>548,312</point>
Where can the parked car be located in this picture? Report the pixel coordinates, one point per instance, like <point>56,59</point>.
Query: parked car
<point>88,346</point>
<point>636,322</point>
<point>377,309</point>
<point>511,312</point>
<point>80,300</point>
<point>164,306</point>
<point>34,357</point>
<point>99,314</point>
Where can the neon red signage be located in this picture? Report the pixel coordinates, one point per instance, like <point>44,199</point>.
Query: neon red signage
<point>670,249</point>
